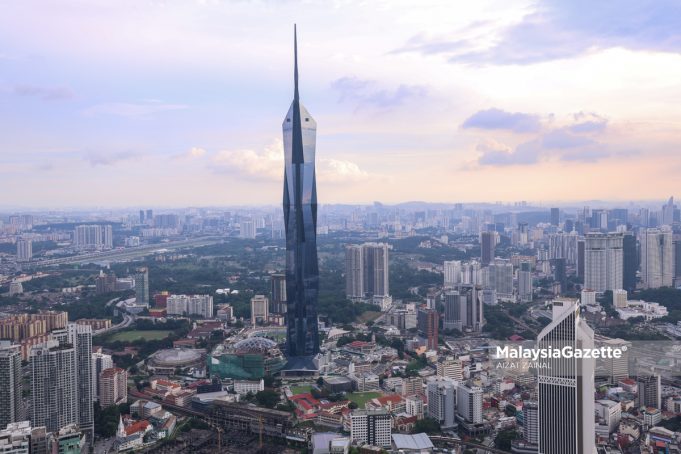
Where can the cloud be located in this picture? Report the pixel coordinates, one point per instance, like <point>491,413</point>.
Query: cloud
<point>131,110</point>
<point>499,119</point>
<point>368,93</point>
<point>588,123</point>
<point>572,142</point>
<point>108,159</point>
<point>268,164</point>
<point>558,29</point>
<point>44,93</point>
<point>193,153</point>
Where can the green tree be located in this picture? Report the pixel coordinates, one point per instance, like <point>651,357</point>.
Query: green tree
<point>267,398</point>
<point>427,425</point>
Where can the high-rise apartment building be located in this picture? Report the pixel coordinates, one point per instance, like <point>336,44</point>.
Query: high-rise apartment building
<point>196,305</point>
<point>442,401</point>
<point>555,216</point>
<point>630,261</point>
<point>566,385</point>
<point>452,273</point>
<point>367,272</point>
<point>488,243</point>
<point>531,422</point>
<point>371,427</point>
<point>247,229</point>
<point>24,250</point>
<point>449,367</point>
<point>463,309</point>
<point>668,212</point>
<point>11,405</point>
<point>525,288</point>
<point>603,261</point>
<point>278,293</point>
<point>498,276</point>
<point>113,387</point>
<point>54,386</point>
<point>100,362</point>
<point>259,309</point>
<point>469,403</point>
<point>93,237</point>
<point>300,221</point>
<point>657,258</point>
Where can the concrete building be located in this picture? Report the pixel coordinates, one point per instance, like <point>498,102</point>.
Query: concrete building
<point>100,362</point>
<point>649,391</point>
<point>367,272</point>
<point>113,387</point>
<point>469,403</point>
<point>371,427</point>
<point>259,309</point>
<point>657,258</point>
<point>11,405</point>
<point>24,250</point>
<point>190,305</point>
<point>441,394</point>
<point>603,262</point>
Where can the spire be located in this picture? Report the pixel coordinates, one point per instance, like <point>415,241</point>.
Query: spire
<point>295,63</point>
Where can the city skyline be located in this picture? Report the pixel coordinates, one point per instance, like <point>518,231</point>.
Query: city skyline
<point>172,93</point>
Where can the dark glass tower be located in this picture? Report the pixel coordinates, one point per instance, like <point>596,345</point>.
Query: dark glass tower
<point>300,219</point>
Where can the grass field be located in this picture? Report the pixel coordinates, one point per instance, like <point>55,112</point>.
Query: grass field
<point>301,389</point>
<point>129,336</point>
<point>368,316</point>
<point>361,398</point>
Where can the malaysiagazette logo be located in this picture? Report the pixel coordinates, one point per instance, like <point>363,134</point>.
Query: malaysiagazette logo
<point>564,352</point>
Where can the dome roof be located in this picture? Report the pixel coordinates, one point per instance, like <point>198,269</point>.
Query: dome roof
<point>255,345</point>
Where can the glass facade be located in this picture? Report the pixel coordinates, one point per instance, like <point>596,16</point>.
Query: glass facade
<point>300,219</point>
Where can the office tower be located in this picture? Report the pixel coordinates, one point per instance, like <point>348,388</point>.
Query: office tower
<point>581,258</point>
<point>555,216</point>
<point>367,271</point>
<point>149,216</point>
<point>498,276</point>
<point>464,309</point>
<point>141,216</point>
<point>488,241</point>
<point>259,309</point>
<point>469,403</point>
<point>427,325</point>
<point>142,285</point>
<point>54,386</point>
<point>630,261</point>
<point>24,250</point>
<point>197,305</point>
<point>79,337</point>
<point>566,386</point>
<point>657,258</point>
<point>452,273</point>
<point>300,219</point>
<point>113,387</point>
<point>100,362</point>
<point>525,289</point>
<point>371,427</point>
<point>649,391</point>
<point>560,274</point>
<point>278,293</point>
<point>531,422</point>
<point>603,261</point>
<point>442,401</point>
<point>11,405</point>
<point>247,229</point>
<point>668,212</point>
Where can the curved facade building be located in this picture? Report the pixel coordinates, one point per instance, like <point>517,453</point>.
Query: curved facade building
<point>300,219</point>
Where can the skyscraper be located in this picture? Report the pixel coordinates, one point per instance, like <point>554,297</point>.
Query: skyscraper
<point>488,241</point>
<point>24,250</point>
<point>259,309</point>
<point>463,309</point>
<point>531,422</point>
<point>603,262</point>
<point>566,385</point>
<point>555,216</point>
<point>11,406</point>
<point>469,403</point>
<point>525,290</point>
<point>452,272</point>
<point>278,293</point>
<point>442,400</point>
<point>427,325</point>
<point>630,261</point>
<point>649,392</point>
<point>100,362</point>
<point>367,272</point>
<point>300,220</point>
<point>668,212</point>
<point>657,258</point>
<point>142,285</point>
<point>54,387</point>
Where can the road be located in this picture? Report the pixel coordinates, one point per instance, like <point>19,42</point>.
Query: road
<point>118,255</point>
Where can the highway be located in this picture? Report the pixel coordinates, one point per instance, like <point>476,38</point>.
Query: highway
<point>119,255</point>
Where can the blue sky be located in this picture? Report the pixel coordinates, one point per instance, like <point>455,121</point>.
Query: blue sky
<point>180,103</point>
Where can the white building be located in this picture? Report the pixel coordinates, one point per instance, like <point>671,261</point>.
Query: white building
<point>414,406</point>
<point>371,427</point>
<point>247,229</point>
<point>452,273</point>
<point>657,258</point>
<point>24,250</point>
<point>603,261</point>
<point>609,413</point>
<point>243,387</point>
<point>199,305</point>
<point>469,403</point>
<point>638,308</point>
<point>367,273</point>
<point>442,401</point>
<point>259,309</point>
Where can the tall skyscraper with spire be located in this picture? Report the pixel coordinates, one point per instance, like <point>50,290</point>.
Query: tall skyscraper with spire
<point>300,219</point>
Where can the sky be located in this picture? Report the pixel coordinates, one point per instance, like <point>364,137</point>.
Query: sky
<point>180,103</point>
